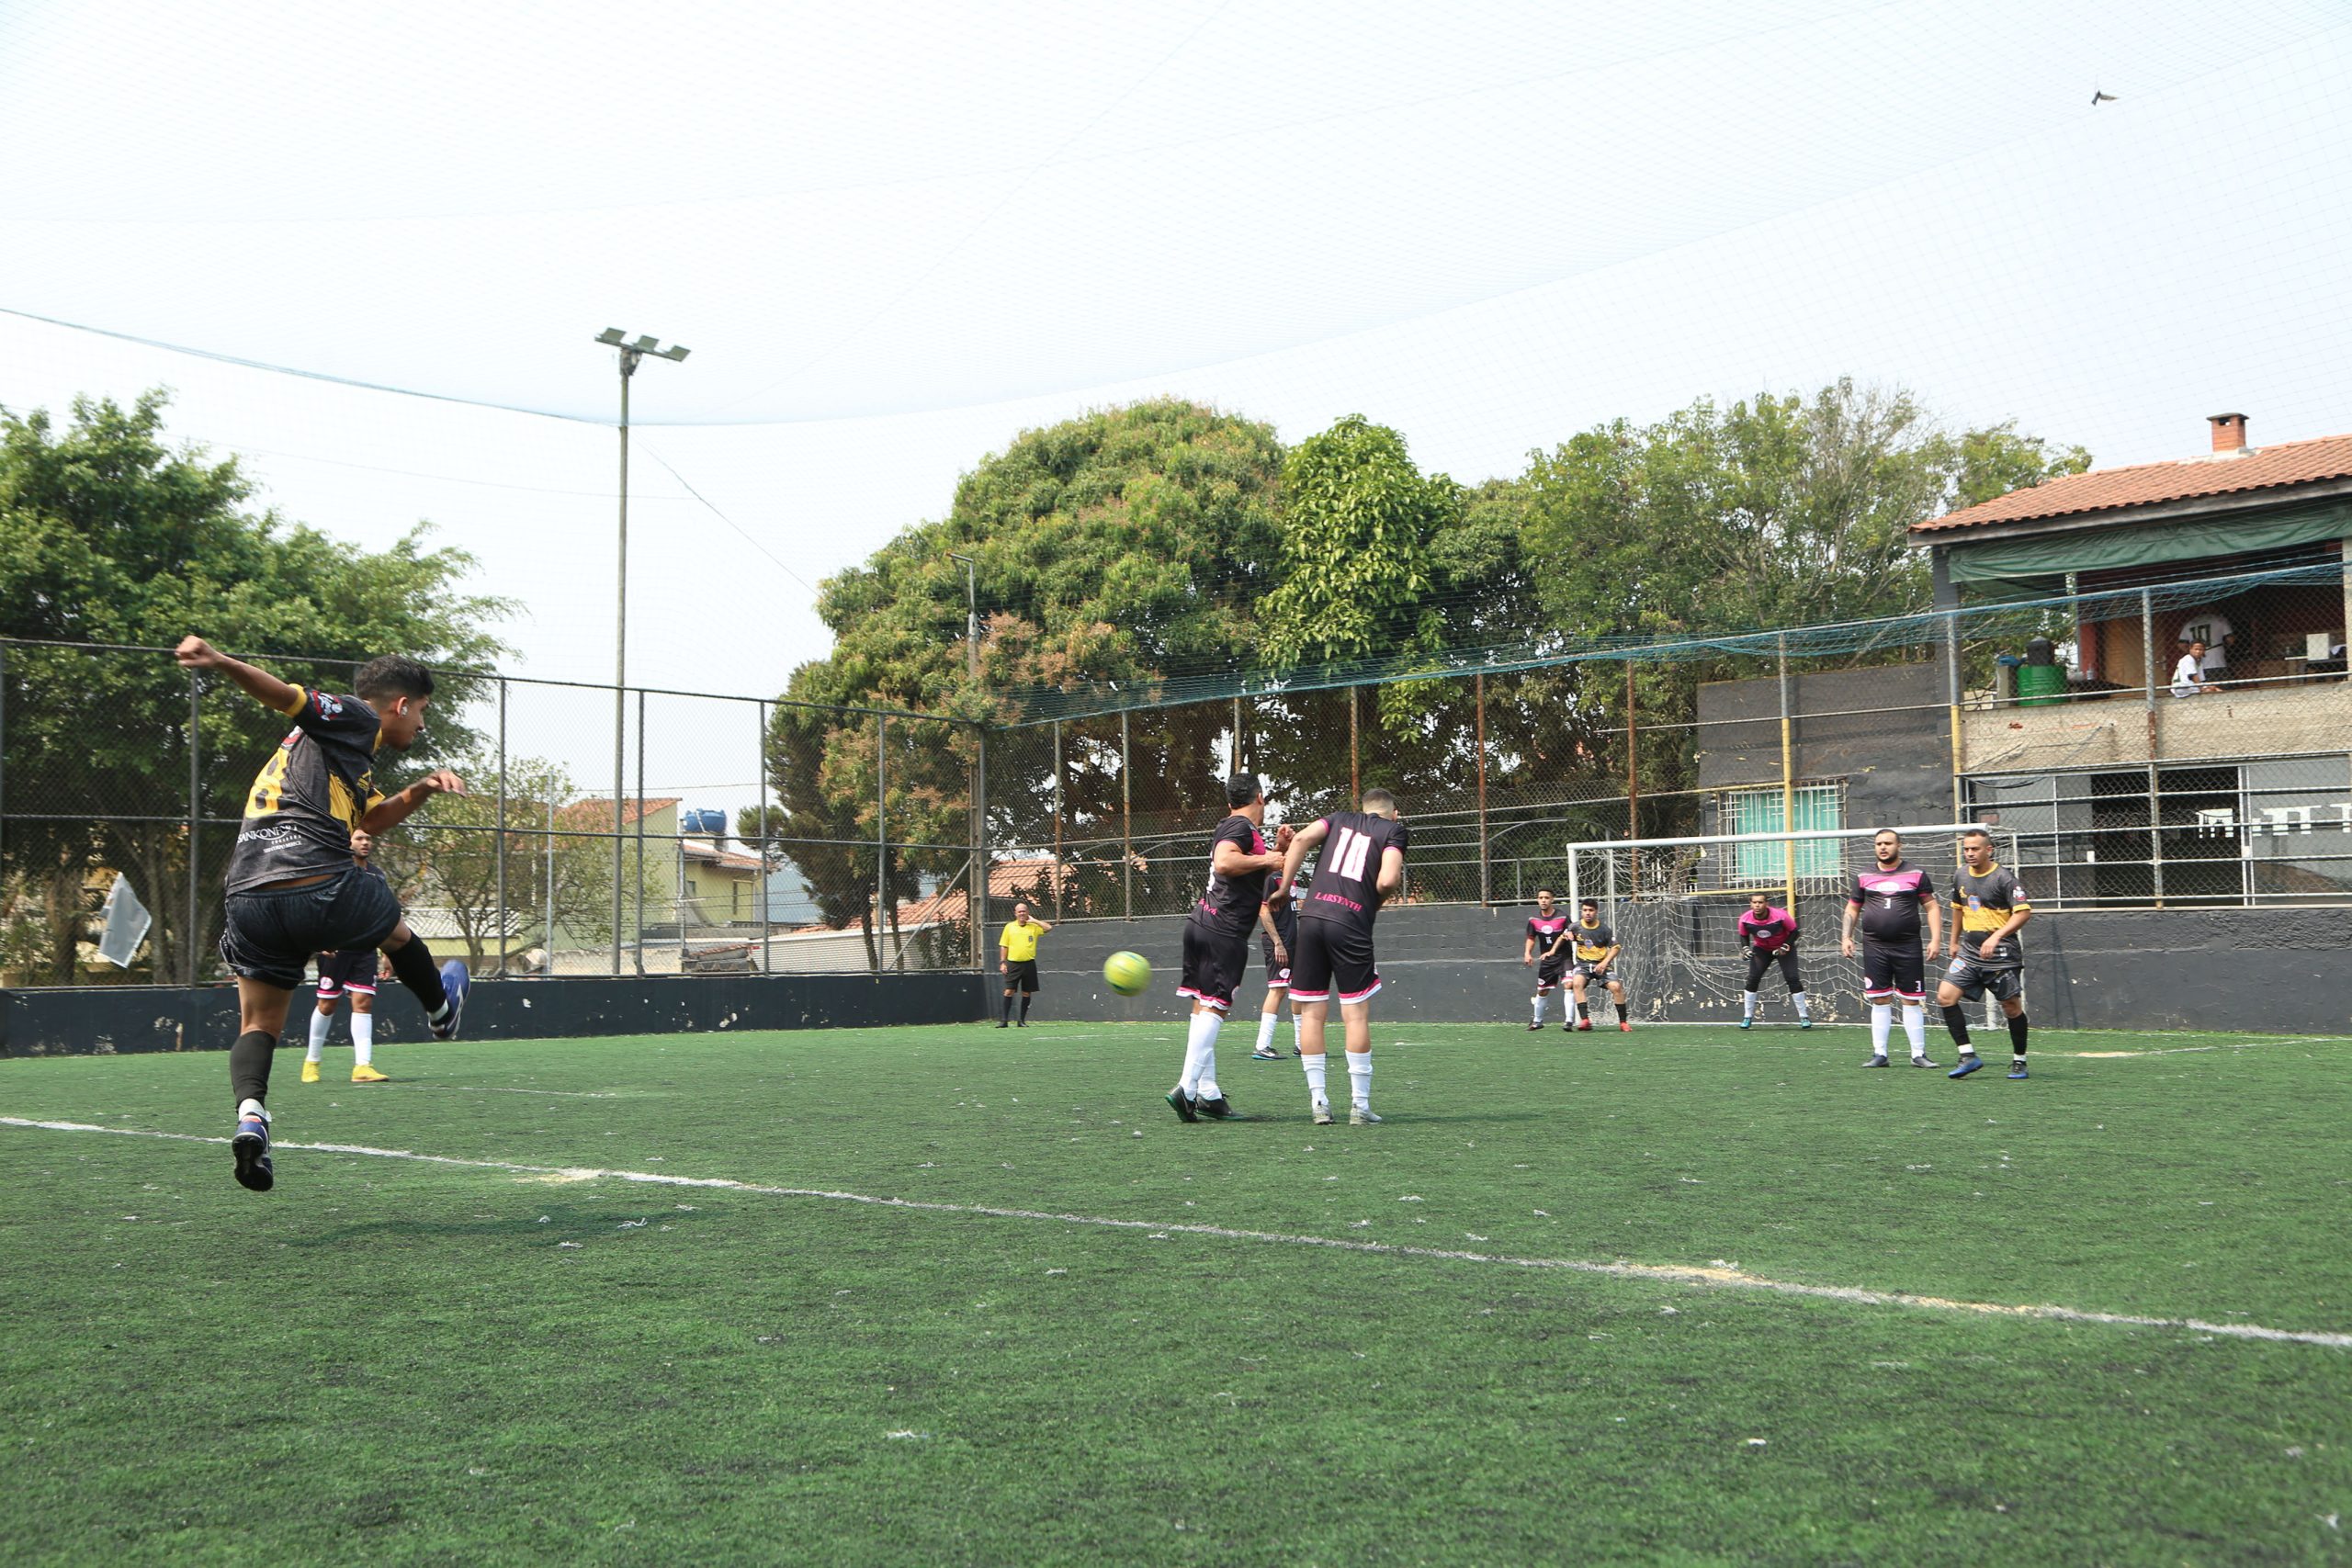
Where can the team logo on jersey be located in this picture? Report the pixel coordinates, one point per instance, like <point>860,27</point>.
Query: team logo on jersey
<point>328,708</point>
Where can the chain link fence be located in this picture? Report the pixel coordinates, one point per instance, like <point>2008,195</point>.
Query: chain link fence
<point>2186,742</point>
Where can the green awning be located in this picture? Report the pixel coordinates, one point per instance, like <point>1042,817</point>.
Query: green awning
<point>2098,549</point>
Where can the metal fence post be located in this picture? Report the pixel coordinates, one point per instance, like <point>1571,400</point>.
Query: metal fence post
<point>881,839</point>
<point>2148,689</point>
<point>4,754</point>
<point>1057,820</point>
<point>768,952</point>
<point>1486,880</point>
<point>1633,789</point>
<point>550,908</point>
<point>980,842</point>
<point>1788,785</point>
<point>1237,748</point>
<point>1356,775</point>
<point>640,901</point>
<point>620,792</point>
<point>194,818</point>
<point>500,928</point>
<point>1951,696</point>
<point>1126,822</point>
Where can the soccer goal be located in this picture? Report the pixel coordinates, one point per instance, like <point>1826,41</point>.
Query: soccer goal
<point>1673,905</point>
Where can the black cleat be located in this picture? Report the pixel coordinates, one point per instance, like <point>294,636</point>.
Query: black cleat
<point>1184,1105</point>
<point>251,1146</point>
<point>1219,1110</point>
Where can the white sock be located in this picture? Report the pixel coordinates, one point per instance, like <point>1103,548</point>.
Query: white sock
<point>319,1023</point>
<point>1568,1008</point>
<point>1915,1024</point>
<point>1882,1022</point>
<point>1200,1055</point>
<point>1540,1000</point>
<point>1266,1022</point>
<point>1294,1035</point>
<point>1748,1004</point>
<point>1805,1006</point>
<point>363,1037</point>
<point>250,1109</point>
<point>1360,1077</point>
<point>1315,1080</point>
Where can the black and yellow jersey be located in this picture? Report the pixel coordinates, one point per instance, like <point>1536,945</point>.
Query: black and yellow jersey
<point>1591,943</point>
<point>1985,901</point>
<point>315,788</point>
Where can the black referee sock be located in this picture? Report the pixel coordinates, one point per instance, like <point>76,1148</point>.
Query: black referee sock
<point>1957,1022</point>
<point>412,966</point>
<point>2017,1036</point>
<point>1024,1007</point>
<point>249,1065</point>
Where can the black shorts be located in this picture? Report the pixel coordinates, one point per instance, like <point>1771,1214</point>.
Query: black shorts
<point>1598,976</point>
<point>1022,973</point>
<point>1759,961</point>
<point>1894,969</point>
<point>2002,982</point>
<point>1549,973</point>
<point>269,933</point>
<point>349,969</point>
<point>1214,961</point>
<point>1332,956</point>
<point>1277,970</point>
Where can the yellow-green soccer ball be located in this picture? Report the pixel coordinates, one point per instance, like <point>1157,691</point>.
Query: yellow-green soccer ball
<point>1128,973</point>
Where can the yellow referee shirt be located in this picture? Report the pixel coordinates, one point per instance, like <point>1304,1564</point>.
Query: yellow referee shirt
<point>1020,941</point>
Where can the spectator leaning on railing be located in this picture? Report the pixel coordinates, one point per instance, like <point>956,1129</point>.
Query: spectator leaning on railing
<point>2188,675</point>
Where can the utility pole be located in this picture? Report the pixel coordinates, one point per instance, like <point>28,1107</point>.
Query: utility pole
<point>971,616</point>
<point>631,353</point>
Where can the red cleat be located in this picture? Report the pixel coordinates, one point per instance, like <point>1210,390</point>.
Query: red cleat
<point>1584,1026</point>
<point>1625,1026</point>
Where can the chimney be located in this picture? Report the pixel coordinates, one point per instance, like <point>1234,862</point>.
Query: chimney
<point>2229,434</point>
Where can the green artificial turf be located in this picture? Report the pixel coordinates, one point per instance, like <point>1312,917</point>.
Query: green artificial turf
<point>390,1361</point>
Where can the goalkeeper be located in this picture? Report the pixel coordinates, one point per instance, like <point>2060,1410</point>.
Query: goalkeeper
<point>1769,934</point>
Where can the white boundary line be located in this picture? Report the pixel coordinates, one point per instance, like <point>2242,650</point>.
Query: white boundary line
<point>1717,1275</point>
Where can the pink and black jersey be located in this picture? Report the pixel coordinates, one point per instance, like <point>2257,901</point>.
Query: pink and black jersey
<point>1347,868</point>
<point>1544,929</point>
<point>1891,901</point>
<point>1769,933</point>
<point>1230,903</point>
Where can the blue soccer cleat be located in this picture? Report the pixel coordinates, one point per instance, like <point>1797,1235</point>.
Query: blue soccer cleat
<point>1968,1064</point>
<point>1806,1022</point>
<point>1748,1024</point>
<point>251,1146</point>
<point>455,982</point>
<point>2017,1070</point>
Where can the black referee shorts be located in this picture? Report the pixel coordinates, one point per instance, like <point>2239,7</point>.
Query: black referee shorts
<point>1332,956</point>
<point>1021,973</point>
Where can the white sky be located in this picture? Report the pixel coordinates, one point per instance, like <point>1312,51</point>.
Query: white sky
<point>895,234</point>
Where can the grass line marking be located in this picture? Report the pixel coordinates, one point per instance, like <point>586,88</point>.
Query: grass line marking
<point>476,1089</point>
<point>1714,1276</point>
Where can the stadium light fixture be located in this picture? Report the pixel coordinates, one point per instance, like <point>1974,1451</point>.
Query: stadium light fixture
<point>630,354</point>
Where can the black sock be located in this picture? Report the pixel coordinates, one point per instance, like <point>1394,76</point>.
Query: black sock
<point>2017,1036</point>
<point>1024,1007</point>
<point>1621,1012</point>
<point>1005,1013</point>
<point>412,966</point>
<point>249,1065</point>
<point>1957,1022</point>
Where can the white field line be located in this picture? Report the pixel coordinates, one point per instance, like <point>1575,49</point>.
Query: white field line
<point>1715,1275</point>
<point>475,1088</point>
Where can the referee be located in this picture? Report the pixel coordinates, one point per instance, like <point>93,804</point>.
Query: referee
<point>1016,959</point>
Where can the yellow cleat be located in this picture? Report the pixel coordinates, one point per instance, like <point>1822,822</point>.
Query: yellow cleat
<point>365,1074</point>
<point>310,1072</point>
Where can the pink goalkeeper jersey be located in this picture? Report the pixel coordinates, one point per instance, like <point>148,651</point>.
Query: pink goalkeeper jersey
<point>1768,933</point>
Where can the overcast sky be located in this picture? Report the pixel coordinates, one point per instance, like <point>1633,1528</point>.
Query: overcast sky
<point>895,234</point>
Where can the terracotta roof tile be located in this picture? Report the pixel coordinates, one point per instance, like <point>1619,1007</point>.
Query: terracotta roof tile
<point>2146,484</point>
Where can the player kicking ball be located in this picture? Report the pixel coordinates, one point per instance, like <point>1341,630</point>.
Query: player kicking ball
<point>1988,909</point>
<point>1217,943</point>
<point>1594,950</point>
<point>1769,934</point>
<point>294,887</point>
<point>350,973</point>
<point>1547,931</point>
<point>1363,863</point>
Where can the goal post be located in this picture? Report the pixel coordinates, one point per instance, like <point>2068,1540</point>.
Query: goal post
<point>1674,906</point>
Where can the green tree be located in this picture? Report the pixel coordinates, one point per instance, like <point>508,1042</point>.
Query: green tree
<point>109,535</point>
<point>1360,523</point>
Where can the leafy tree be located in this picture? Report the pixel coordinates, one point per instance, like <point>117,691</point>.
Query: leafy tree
<point>1359,525</point>
<point>109,534</point>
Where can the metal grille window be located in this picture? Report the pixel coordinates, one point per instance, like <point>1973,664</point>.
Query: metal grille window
<point>1818,807</point>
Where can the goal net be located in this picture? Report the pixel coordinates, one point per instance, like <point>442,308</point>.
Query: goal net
<point>1674,906</point>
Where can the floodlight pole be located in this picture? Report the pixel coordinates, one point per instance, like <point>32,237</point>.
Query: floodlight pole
<point>971,616</point>
<point>631,353</point>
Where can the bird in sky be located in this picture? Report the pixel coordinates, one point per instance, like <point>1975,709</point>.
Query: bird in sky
<point>2099,98</point>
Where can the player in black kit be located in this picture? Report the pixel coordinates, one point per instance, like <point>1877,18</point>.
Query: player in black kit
<point>1278,940</point>
<point>1361,864</point>
<point>1216,941</point>
<point>1887,901</point>
<point>293,887</point>
<point>1988,909</point>
<point>1547,951</point>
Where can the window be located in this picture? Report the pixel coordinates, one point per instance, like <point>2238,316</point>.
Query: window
<point>1818,807</point>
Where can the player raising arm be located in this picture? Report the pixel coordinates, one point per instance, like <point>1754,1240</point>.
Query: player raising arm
<point>1363,863</point>
<point>293,886</point>
<point>1988,909</point>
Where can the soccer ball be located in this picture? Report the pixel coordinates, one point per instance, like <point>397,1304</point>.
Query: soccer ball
<point>1128,973</point>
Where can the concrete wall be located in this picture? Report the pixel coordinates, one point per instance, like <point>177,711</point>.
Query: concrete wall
<point>168,1018</point>
<point>2229,970</point>
<point>1896,764</point>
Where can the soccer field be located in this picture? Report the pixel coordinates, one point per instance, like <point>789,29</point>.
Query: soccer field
<point>963,1295</point>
